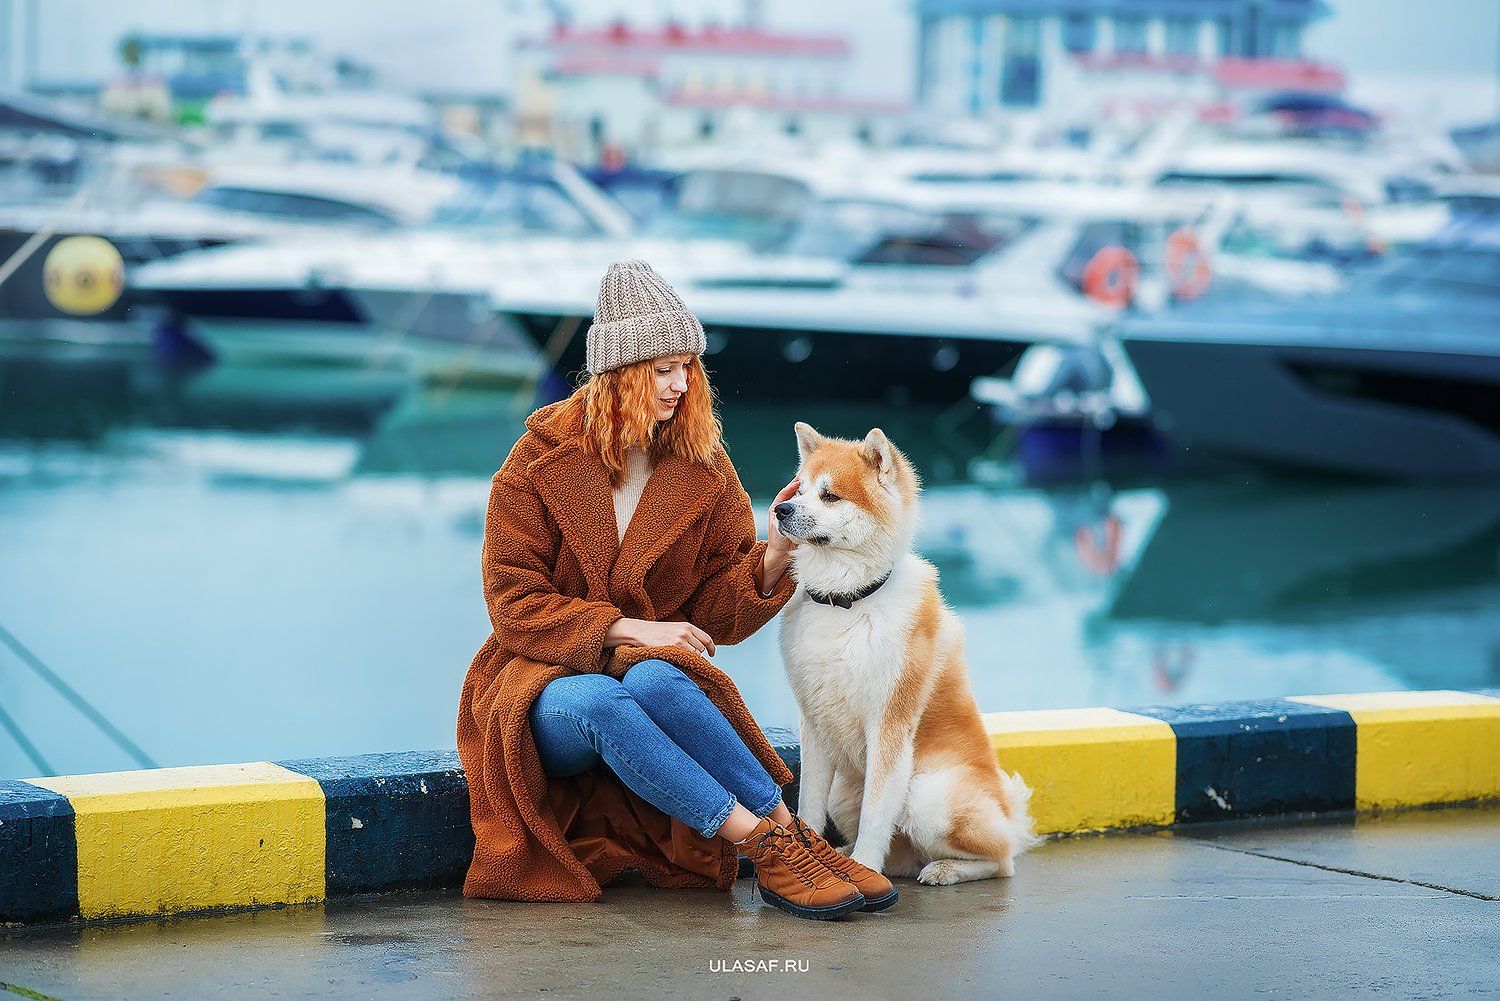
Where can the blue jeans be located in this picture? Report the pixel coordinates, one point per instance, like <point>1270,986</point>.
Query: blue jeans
<point>660,734</point>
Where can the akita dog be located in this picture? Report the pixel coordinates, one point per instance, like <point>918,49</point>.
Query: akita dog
<point>893,746</point>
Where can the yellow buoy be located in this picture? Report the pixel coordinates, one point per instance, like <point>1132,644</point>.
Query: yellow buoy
<point>83,275</point>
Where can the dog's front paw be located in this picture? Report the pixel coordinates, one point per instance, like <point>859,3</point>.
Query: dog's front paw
<point>938,873</point>
<point>868,859</point>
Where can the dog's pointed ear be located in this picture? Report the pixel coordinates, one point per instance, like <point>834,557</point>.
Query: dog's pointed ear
<point>876,448</point>
<point>807,440</point>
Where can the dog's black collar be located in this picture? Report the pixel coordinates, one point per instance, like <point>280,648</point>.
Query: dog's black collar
<point>847,599</point>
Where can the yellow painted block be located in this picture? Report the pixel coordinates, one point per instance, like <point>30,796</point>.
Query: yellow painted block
<point>174,839</point>
<point>1089,769</point>
<point>1417,748</point>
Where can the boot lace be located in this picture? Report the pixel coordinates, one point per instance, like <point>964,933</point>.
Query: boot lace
<point>797,858</point>
<point>803,831</point>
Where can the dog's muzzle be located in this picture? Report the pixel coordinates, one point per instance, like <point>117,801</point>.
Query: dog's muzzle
<point>794,523</point>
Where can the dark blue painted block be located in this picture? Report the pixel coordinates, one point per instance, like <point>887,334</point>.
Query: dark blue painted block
<point>788,744</point>
<point>38,854</point>
<point>788,747</point>
<point>1246,759</point>
<point>395,821</point>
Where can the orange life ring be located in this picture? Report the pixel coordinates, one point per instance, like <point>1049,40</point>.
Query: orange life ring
<point>1110,276</point>
<point>1187,265</point>
<point>1100,558</point>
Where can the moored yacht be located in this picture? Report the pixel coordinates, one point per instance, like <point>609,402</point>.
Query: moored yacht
<point>294,299</point>
<point>1399,375</point>
<point>246,205</point>
<point>896,290</point>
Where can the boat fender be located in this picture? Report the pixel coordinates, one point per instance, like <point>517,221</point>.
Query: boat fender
<point>83,275</point>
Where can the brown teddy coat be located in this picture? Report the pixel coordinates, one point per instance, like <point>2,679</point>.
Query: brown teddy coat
<point>556,576</point>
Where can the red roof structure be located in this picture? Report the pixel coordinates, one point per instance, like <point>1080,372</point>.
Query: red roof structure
<point>1229,71</point>
<point>1279,74</point>
<point>785,102</point>
<point>706,40</point>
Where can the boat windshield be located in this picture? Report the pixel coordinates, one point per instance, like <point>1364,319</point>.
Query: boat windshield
<point>952,240</point>
<point>978,176</point>
<point>761,210</point>
<point>1288,237</point>
<point>842,227</point>
<point>1291,186</point>
<point>293,205</point>
<point>514,205</point>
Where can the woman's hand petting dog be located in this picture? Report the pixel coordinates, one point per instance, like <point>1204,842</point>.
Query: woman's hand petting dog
<point>644,632</point>
<point>779,546</point>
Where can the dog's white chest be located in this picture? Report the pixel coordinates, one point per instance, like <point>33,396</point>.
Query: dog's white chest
<point>844,663</point>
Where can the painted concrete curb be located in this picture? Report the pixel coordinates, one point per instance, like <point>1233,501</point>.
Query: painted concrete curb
<point>215,837</point>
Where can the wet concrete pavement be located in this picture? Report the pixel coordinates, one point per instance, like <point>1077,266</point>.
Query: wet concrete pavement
<point>1404,905</point>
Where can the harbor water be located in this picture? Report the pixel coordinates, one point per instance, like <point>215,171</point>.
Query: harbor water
<point>225,564</point>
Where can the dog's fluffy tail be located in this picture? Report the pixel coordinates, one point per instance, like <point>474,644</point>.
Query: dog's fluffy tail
<point>1018,823</point>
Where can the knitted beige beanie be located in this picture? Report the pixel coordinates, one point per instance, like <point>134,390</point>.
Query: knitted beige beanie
<point>638,316</point>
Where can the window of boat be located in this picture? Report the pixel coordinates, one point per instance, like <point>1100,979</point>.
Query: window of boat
<point>514,204</point>
<point>641,202</point>
<point>643,196</point>
<point>841,228</point>
<point>975,177</point>
<point>282,130</point>
<point>235,199</point>
<point>327,210</point>
<point>1408,189</point>
<point>284,204</point>
<point>1302,186</point>
<point>998,229</point>
<point>759,209</point>
<point>1469,203</point>
<point>950,245</point>
<point>1258,239</point>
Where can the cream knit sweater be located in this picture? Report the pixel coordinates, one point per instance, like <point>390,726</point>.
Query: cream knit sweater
<point>628,494</point>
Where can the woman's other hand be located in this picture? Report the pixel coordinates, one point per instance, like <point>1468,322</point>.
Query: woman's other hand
<point>644,632</point>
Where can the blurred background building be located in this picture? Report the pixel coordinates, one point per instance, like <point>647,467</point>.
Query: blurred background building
<point>1084,58</point>
<point>626,87</point>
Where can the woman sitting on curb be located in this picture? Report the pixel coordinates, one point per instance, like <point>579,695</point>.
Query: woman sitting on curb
<point>619,549</point>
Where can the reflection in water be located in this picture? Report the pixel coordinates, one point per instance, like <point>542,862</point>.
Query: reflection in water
<point>236,564</point>
<point>1404,576</point>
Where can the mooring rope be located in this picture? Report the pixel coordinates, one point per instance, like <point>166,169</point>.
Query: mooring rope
<point>40,763</point>
<point>76,700</point>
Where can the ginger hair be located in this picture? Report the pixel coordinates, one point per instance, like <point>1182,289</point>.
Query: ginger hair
<point>619,412</point>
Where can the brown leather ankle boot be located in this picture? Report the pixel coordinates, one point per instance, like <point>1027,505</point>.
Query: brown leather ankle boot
<point>790,877</point>
<point>879,892</point>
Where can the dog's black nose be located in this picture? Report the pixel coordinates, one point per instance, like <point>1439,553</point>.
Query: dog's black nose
<point>785,509</point>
